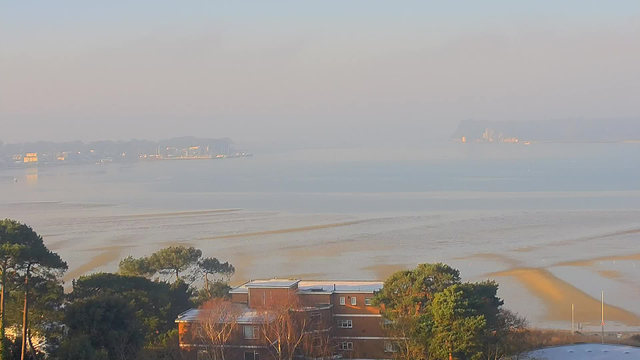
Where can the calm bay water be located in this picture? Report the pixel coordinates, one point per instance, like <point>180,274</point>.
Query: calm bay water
<point>362,213</point>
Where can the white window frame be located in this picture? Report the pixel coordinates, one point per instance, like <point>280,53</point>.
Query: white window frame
<point>354,301</point>
<point>255,332</point>
<point>343,301</point>
<point>346,346</point>
<point>367,301</point>
<point>345,324</point>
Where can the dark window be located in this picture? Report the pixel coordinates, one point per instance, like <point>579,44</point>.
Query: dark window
<point>251,355</point>
<point>346,346</point>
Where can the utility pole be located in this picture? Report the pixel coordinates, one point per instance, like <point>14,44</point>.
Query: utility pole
<point>573,319</point>
<point>602,312</point>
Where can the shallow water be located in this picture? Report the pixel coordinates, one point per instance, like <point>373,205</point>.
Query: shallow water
<point>569,210</point>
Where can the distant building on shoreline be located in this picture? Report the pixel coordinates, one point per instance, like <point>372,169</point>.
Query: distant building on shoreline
<point>31,158</point>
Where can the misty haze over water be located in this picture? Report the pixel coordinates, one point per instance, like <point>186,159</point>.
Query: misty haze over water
<point>526,206</point>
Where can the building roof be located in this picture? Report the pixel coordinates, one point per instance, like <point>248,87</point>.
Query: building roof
<point>246,315</point>
<point>585,351</point>
<point>313,286</point>
<point>339,286</point>
<point>272,283</point>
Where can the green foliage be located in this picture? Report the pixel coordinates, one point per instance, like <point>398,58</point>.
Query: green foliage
<point>410,292</point>
<point>11,234</point>
<point>110,324</point>
<point>77,348</point>
<point>107,316</point>
<point>175,260</point>
<point>434,314</point>
<point>213,269</point>
<point>213,266</point>
<point>156,304</point>
<point>24,251</point>
<point>167,347</point>
<point>172,260</point>
<point>457,325</point>
<point>216,290</point>
<point>13,348</point>
<point>135,267</point>
<point>46,297</point>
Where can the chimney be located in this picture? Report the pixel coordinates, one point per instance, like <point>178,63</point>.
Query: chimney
<point>334,287</point>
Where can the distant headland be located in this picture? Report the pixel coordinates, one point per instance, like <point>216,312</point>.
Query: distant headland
<point>78,152</point>
<point>574,130</point>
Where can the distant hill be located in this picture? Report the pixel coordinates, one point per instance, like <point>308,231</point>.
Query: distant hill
<point>552,130</point>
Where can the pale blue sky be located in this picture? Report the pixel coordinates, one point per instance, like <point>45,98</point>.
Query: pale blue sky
<point>308,72</point>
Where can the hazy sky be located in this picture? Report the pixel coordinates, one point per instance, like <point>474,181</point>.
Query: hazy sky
<point>318,72</point>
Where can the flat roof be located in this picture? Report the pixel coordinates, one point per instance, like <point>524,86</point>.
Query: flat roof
<point>339,286</point>
<point>314,286</point>
<point>246,315</point>
<point>272,283</point>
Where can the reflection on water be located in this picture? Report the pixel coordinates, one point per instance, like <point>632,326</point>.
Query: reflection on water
<point>32,176</point>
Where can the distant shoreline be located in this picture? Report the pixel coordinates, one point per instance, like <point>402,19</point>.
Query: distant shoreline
<point>553,142</point>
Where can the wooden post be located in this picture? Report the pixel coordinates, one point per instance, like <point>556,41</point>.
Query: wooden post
<point>573,318</point>
<point>25,315</point>
<point>602,312</point>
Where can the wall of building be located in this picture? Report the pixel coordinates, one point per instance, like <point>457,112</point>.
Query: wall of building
<point>314,299</point>
<point>230,354</point>
<point>240,298</point>
<point>347,308</point>
<point>267,297</point>
<point>366,349</point>
<point>361,326</point>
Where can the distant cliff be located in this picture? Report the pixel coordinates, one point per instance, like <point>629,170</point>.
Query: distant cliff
<point>552,130</point>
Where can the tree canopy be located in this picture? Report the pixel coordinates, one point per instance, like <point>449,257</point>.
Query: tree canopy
<point>135,267</point>
<point>172,260</point>
<point>24,251</point>
<point>107,316</point>
<point>434,315</point>
<point>109,323</point>
<point>175,260</point>
<point>156,304</point>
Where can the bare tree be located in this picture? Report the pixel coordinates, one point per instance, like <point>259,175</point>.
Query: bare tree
<point>217,321</point>
<point>508,339</point>
<point>318,345</point>
<point>287,327</point>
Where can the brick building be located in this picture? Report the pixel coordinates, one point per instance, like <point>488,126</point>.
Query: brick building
<point>337,312</point>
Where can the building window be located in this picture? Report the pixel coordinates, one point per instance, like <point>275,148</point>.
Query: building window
<point>390,347</point>
<point>367,301</point>
<point>345,324</point>
<point>347,346</point>
<point>251,332</point>
<point>342,300</point>
<point>251,355</point>
<point>353,301</point>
